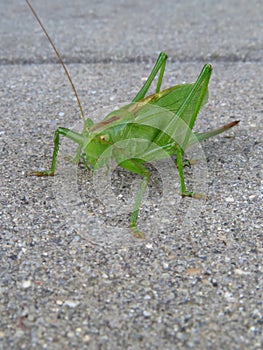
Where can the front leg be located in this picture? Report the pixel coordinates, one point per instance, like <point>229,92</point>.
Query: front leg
<point>72,135</point>
<point>52,169</point>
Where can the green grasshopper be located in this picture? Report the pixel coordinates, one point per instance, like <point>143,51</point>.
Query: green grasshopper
<point>148,129</point>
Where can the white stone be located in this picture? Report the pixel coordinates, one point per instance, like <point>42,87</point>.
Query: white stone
<point>26,284</point>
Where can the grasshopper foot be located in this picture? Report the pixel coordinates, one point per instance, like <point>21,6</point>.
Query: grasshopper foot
<point>136,232</point>
<point>189,162</point>
<point>42,173</point>
<point>194,195</point>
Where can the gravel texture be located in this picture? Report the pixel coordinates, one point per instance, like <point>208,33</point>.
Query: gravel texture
<point>72,275</point>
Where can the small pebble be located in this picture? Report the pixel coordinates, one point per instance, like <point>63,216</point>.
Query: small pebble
<point>241,272</point>
<point>146,313</point>
<point>71,303</point>
<point>229,199</point>
<point>86,338</point>
<point>26,284</point>
<point>149,246</point>
<point>165,265</point>
<point>70,334</point>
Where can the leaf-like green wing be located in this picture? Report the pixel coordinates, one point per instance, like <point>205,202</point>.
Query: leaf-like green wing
<point>173,98</point>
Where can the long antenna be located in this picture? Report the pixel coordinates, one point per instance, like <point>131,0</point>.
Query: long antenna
<point>59,59</point>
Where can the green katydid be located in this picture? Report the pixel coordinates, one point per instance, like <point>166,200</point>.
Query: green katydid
<point>164,119</point>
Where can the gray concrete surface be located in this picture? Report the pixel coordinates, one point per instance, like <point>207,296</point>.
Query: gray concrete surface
<point>196,280</point>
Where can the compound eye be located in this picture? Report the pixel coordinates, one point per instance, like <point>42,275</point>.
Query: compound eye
<point>104,137</point>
